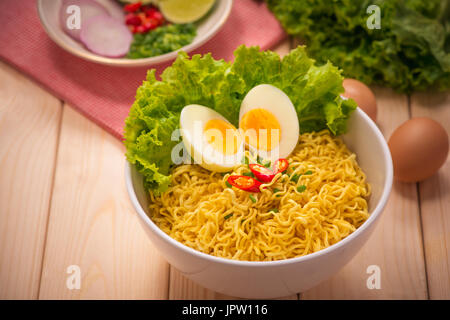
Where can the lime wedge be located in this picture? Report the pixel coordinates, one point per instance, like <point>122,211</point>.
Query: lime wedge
<point>184,11</point>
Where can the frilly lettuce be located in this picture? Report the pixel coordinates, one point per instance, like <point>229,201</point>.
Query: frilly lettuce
<point>411,50</point>
<point>220,85</point>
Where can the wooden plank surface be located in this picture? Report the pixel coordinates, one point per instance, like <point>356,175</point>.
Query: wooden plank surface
<point>181,288</point>
<point>435,200</point>
<point>63,202</point>
<point>396,244</point>
<point>92,224</point>
<point>29,127</point>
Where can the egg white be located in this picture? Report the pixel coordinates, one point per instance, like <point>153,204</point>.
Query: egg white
<point>193,119</point>
<point>272,99</point>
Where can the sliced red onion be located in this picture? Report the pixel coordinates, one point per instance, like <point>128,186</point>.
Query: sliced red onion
<point>88,9</point>
<point>106,36</point>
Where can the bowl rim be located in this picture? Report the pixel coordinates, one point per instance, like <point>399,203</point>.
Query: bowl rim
<point>241,263</point>
<point>121,62</point>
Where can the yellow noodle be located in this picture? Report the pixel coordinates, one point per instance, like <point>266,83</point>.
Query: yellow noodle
<point>200,211</point>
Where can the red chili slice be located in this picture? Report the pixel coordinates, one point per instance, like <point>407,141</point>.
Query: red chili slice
<point>132,19</point>
<point>149,10</point>
<point>244,183</point>
<point>261,173</point>
<point>132,7</point>
<point>280,165</point>
<point>156,15</point>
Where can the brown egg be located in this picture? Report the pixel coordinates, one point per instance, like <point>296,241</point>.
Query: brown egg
<point>363,96</point>
<point>419,147</point>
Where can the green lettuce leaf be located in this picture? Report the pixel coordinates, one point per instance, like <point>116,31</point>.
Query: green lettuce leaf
<point>153,118</point>
<point>410,52</point>
<point>161,40</point>
<point>314,90</point>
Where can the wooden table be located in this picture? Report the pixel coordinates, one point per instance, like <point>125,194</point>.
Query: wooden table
<point>63,202</point>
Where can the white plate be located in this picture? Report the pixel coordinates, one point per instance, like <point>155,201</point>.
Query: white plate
<point>207,27</point>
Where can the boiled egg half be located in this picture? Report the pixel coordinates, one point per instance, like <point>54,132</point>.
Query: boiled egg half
<point>211,140</point>
<point>268,122</point>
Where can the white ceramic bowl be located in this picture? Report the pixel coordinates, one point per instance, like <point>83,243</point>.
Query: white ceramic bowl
<point>207,27</point>
<point>285,277</point>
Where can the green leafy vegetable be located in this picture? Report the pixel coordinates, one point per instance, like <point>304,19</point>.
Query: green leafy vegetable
<point>161,40</point>
<point>248,174</point>
<point>295,177</point>
<point>228,216</point>
<point>259,160</point>
<point>252,197</point>
<point>314,91</point>
<point>301,188</point>
<point>155,114</point>
<point>309,172</point>
<point>411,50</point>
<point>228,184</point>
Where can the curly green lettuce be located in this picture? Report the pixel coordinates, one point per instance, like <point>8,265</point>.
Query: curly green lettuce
<point>220,85</point>
<point>411,50</point>
<point>162,40</point>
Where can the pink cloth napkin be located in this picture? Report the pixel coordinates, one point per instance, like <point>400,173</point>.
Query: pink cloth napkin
<point>104,94</point>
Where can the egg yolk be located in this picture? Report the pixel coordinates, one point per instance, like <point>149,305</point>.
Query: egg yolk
<point>261,129</point>
<point>222,136</point>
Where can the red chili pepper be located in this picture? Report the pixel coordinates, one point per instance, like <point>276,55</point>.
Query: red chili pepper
<point>132,19</point>
<point>149,10</point>
<point>132,7</point>
<point>261,173</point>
<point>244,183</point>
<point>157,16</point>
<point>280,165</point>
<point>140,29</point>
<point>150,25</point>
<point>142,16</point>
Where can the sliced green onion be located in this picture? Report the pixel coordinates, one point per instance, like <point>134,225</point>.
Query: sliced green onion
<point>308,172</point>
<point>259,159</point>
<point>295,178</point>
<point>228,184</point>
<point>228,216</point>
<point>245,160</point>
<point>267,164</point>
<point>252,198</point>
<point>301,188</point>
<point>275,210</point>
<point>248,174</point>
<point>275,190</point>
